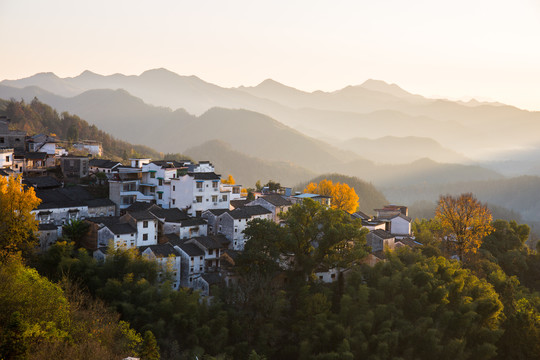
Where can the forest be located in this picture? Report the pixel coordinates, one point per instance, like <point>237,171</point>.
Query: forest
<point>420,303</point>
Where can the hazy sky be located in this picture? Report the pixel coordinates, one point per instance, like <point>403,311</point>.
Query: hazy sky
<point>448,48</point>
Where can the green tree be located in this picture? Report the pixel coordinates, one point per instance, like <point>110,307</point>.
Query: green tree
<point>13,344</point>
<point>75,231</point>
<point>17,223</point>
<point>149,347</point>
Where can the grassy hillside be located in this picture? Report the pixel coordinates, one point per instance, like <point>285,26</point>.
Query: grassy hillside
<point>369,197</point>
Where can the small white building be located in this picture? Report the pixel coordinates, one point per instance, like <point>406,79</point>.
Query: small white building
<point>168,259</point>
<point>146,225</point>
<point>233,223</point>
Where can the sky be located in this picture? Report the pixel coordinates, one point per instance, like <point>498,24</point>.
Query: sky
<point>454,49</point>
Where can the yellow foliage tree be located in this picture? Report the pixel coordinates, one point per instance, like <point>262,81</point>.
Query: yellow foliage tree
<point>343,196</point>
<point>17,224</point>
<point>230,180</point>
<point>464,221</point>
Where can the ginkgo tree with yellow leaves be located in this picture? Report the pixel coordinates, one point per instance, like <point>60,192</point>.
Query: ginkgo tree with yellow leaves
<point>17,223</point>
<point>343,196</point>
<point>465,221</point>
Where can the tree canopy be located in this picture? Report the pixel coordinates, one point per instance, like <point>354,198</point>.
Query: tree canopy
<point>465,222</point>
<point>343,196</point>
<point>17,223</point>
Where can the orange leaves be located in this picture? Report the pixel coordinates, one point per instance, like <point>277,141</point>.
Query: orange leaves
<point>465,221</point>
<point>343,196</point>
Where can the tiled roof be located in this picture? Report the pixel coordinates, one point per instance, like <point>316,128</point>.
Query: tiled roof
<point>190,249</point>
<point>104,163</point>
<point>218,212</point>
<point>160,250</point>
<point>35,155</point>
<point>382,234</point>
<point>239,203</point>
<point>276,200</point>
<point>142,215</point>
<point>211,242</point>
<point>193,222</point>
<point>212,278</point>
<point>393,216</point>
<point>311,196</point>
<point>47,227</point>
<point>248,212</point>
<point>170,215</point>
<point>99,203</point>
<point>139,206</point>
<point>205,175</point>
<point>119,229</point>
<point>42,182</point>
<point>168,163</point>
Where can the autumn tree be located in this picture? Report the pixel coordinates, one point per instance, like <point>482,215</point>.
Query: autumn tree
<point>464,221</point>
<point>343,196</point>
<point>229,180</point>
<point>17,223</point>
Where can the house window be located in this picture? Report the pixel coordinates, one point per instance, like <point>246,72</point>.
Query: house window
<point>192,258</point>
<point>173,201</point>
<point>215,184</point>
<point>7,158</point>
<point>117,236</point>
<point>224,198</point>
<point>145,237</point>
<point>199,185</point>
<point>214,198</point>
<point>235,229</point>
<point>145,224</point>
<point>198,199</point>
<point>191,270</point>
<point>153,175</point>
<point>160,182</point>
<point>211,252</point>
<point>173,188</point>
<point>200,258</point>
<point>200,268</point>
<point>1,140</point>
<point>333,276</point>
<point>160,196</point>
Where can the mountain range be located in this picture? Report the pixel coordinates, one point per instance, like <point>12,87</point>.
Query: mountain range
<point>375,131</point>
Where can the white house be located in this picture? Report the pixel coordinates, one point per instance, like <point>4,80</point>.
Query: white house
<point>103,166</point>
<point>6,158</point>
<point>398,224</point>
<point>275,203</point>
<point>233,223</point>
<point>192,260</point>
<point>168,259</point>
<point>197,192</point>
<point>379,240</point>
<point>146,224</point>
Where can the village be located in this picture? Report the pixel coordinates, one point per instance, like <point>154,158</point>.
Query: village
<point>180,214</point>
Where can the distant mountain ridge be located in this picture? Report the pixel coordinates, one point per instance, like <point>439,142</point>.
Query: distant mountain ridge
<point>373,109</point>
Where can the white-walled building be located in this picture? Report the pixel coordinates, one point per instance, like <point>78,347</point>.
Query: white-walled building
<point>146,224</point>
<point>233,223</point>
<point>197,192</point>
<point>168,259</point>
<point>6,158</point>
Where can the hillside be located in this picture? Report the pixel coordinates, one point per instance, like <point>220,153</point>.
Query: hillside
<point>369,197</point>
<point>247,169</point>
<point>37,117</point>
<point>399,150</point>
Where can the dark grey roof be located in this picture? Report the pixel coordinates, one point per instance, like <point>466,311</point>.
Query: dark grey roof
<point>142,215</point>
<point>119,229</point>
<point>391,216</point>
<point>239,203</point>
<point>190,249</point>
<point>160,250</point>
<point>170,215</point>
<point>63,197</point>
<point>104,163</point>
<point>382,234</point>
<point>47,227</point>
<point>360,215</point>
<point>168,163</point>
<point>218,212</point>
<point>212,278</point>
<point>35,155</point>
<point>193,222</point>
<point>211,242</point>
<point>205,175</point>
<point>276,200</point>
<point>6,172</point>
<point>99,203</point>
<point>174,239</point>
<point>409,242</point>
<point>248,212</point>
<point>42,182</point>
<point>105,220</point>
<point>139,206</point>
